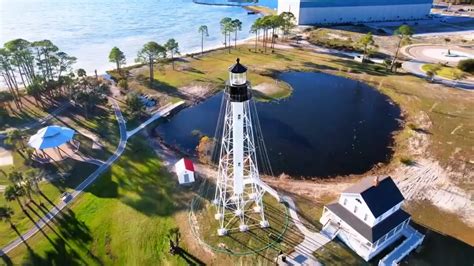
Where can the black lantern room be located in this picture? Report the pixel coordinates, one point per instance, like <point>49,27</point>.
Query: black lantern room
<point>237,86</point>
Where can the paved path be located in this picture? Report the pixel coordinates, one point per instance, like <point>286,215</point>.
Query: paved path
<point>414,67</point>
<point>103,166</point>
<point>303,253</point>
<point>79,189</point>
<point>161,112</point>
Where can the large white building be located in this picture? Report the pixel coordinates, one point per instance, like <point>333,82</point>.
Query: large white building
<point>311,12</point>
<point>368,218</point>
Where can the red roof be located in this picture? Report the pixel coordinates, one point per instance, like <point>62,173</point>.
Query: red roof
<point>188,164</point>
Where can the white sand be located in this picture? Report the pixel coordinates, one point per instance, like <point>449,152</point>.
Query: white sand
<point>6,157</point>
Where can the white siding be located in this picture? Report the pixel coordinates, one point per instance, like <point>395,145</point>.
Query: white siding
<point>356,201</point>
<point>181,178</point>
<point>334,15</point>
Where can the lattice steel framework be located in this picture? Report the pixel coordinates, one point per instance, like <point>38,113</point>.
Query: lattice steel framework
<point>238,196</point>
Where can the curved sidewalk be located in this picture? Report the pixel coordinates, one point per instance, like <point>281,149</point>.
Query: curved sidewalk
<point>303,253</point>
<point>79,189</point>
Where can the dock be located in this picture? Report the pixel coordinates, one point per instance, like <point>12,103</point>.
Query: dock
<point>164,111</point>
<point>412,241</point>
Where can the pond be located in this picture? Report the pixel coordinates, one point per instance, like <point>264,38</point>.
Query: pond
<point>329,126</point>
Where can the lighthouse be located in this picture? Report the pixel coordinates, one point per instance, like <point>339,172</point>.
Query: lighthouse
<point>238,196</point>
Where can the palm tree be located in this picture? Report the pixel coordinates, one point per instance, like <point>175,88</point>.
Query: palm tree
<point>150,52</point>
<point>172,47</point>
<point>32,178</point>
<point>117,56</point>
<point>404,32</point>
<point>15,137</point>
<point>16,178</point>
<point>20,183</point>
<point>13,192</point>
<point>236,26</point>
<point>204,32</point>
<point>6,214</point>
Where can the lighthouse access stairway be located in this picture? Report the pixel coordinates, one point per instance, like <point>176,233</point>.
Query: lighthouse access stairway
<point>413,240</point>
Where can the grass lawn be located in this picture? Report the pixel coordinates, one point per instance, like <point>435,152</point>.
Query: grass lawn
<point>51,191</point>
<point>450,111</point>
<point>103,123</point>
<point>122,219</point>
<point>212,69</point>
<point>444,71</point>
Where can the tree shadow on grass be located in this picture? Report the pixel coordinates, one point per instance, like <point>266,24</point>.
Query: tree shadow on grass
<point>69,237</point>
<point>189,258</point>
<point>6,259</point>
<point>367,68</point>
<point>140,181</point>
<point>317,67</point>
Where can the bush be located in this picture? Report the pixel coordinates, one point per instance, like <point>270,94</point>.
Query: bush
<point>407,161</point>
<point>466,65</point>
<point>123,84</point>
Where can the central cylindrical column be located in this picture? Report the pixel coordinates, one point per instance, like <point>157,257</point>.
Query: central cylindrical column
<point>238,146</point>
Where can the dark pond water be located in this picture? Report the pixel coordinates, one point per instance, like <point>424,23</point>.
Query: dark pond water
<point>329,126</point>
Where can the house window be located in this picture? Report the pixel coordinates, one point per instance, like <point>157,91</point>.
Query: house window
<point>345,202</point>
<point>355,209</point>
<point>358,200</point>
<point>365,217</point>
<point>238,117</point>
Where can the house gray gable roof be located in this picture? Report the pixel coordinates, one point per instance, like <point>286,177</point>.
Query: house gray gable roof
<point>379,198</point>
<point>372,234</point>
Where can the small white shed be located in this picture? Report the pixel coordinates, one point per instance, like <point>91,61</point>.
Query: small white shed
<point>185,170</point>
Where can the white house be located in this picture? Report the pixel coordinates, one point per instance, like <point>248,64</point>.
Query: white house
<point>368,218</point>
<point>185,170</point>
<point>310,12</point>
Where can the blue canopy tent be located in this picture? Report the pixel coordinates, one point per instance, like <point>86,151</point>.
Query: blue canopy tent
<point>51,137</point>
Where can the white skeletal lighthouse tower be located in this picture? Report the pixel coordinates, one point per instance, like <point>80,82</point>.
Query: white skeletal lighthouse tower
<point>238,195</point>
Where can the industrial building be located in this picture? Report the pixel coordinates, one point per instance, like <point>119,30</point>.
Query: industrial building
<point>312,12</point>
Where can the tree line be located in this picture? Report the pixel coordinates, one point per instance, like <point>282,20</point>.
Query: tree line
<point>40,67</point>
<point>45,73</point>
<point>268,27</point>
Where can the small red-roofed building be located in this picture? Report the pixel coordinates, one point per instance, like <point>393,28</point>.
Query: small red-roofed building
<point>185,170</point>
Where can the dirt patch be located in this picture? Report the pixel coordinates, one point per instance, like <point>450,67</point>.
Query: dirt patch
<point>268,88</point>
<point>425,179</point>
<point>6,157</point>
<point>197,92</point>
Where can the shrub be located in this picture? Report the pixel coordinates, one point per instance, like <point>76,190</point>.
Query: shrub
<point>466,65</point>
<point>123,84</point>
<point>407,161</point>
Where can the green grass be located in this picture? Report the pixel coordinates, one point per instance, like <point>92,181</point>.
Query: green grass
<point>51,190</point>
<point>444,71</point>
<point>76,172</point>
<point>241,243</point>
<point>212,69</point>
<point>447,109</point>
<point>122,219</point>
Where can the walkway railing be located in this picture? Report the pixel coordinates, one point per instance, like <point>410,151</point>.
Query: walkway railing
<point>414,239</point>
